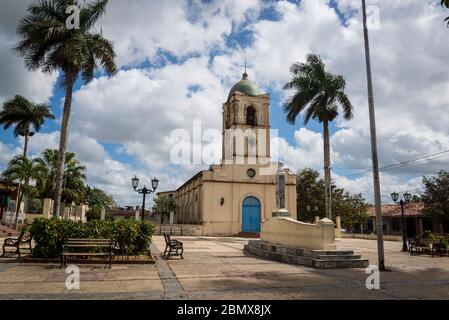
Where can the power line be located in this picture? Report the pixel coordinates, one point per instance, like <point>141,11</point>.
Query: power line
<point>405,163</point>
<point>388,195</point>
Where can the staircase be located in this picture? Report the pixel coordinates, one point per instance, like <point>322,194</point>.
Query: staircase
<point>6,232</point>
<point>254,235</point>
<point>320,259</point>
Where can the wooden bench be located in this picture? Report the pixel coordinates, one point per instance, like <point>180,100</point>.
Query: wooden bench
<point>424,246</point>
<point>439,248</point>
<point>173,247</point>
<point>87,247</point>
<point>24,238</point>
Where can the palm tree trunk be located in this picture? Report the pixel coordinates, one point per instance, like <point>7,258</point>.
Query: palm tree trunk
<point>63,142</point>
<point>19,201</point>
<point>25,147</point>
<point>327,170</point>
<point>372,118</point>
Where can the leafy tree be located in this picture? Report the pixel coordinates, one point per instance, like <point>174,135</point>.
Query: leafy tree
<point>27,117</point>
<point>21,169</point>
<point>47,44</point>
<point>97,200</point>
<point>436,196</point>
<point>74,176</point>
<point>319,94</point>
<point>352,209</point>
<point>164,205</point>
<point>310,196</point>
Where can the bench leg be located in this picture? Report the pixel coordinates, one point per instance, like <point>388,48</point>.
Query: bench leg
<point>182,251</point>
<point>18,251</point>
<point>166,252</point>
<point>4,252</point>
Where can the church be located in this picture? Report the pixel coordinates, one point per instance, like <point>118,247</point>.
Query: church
<point>235,196</point>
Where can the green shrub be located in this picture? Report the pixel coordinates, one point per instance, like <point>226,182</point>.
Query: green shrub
<point>130,237</point>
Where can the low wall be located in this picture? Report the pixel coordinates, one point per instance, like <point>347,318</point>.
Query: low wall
<point>29,217</point>
<point>370,237</point>
<point>180,229</point>
<point>292,233</point>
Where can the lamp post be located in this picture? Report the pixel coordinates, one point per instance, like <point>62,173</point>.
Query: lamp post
<point>407,197</point>
<point>144,191</point>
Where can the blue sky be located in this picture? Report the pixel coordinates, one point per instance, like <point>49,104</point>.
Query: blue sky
<point>178,60</point>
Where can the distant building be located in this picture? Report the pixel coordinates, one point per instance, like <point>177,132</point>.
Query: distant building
<point>416,221</point>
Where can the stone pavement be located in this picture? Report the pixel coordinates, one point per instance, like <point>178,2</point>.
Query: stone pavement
<point>216,268</point>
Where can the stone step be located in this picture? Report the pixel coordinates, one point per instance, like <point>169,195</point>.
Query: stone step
<point>340,264</point>
<point>298,251</point>
<point>249,235</point>
<point>335,261</point>
<point>339,257</point>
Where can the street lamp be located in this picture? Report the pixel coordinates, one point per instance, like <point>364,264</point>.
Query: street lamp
<point>406,199</point>
<point>144,191</point>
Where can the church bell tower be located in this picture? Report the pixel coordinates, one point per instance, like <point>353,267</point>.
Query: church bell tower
<point>246,125</point>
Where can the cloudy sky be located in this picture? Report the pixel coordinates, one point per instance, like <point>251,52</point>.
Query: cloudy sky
<point>178,60</point>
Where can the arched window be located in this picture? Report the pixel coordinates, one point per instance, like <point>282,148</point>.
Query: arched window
<point>251,116</point>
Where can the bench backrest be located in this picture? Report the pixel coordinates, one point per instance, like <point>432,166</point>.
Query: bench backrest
<point>167,238</point>
<point>88,241</point>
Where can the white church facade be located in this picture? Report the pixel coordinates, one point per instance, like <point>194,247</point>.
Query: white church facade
<point>235,196</point>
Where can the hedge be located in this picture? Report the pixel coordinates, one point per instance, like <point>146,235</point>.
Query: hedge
<point>132,237</point>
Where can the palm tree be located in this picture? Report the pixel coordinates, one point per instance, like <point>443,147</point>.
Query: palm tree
<point>164,205</point>
<point>27,117</point>
<point>97,200</point>
<point>49,45</point>
<point>319,94</point>
<point>445,3</point>
<point>73,178</point>
<point>21,169</point>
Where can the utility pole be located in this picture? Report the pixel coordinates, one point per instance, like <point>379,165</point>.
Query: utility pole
<point>372,118</point>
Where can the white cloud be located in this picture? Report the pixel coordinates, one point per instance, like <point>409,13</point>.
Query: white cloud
<point>139,108</point>
<point>15,79</point>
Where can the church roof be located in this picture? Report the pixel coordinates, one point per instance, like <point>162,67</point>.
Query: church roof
<point>245,86</point>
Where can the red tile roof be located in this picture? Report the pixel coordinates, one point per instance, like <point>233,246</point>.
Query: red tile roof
<point>412,209</point>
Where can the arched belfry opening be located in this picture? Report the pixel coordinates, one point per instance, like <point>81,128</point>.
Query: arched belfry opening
<point>251,119</point>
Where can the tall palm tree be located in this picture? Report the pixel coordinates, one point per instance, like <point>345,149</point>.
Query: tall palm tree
<point>73,178</point>
<point>319,94</point>
<point>27,117</point>
<point>21,169</point>
<point>47,43</point>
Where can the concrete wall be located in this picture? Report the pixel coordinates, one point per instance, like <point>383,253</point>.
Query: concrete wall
<point>371,237</point>
<point>292,233</point>
<point>178,229</point>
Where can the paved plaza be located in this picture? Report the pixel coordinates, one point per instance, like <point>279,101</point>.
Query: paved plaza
<point>217,268</point>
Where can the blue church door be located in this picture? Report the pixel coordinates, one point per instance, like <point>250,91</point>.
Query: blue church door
<point>251,215</point>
